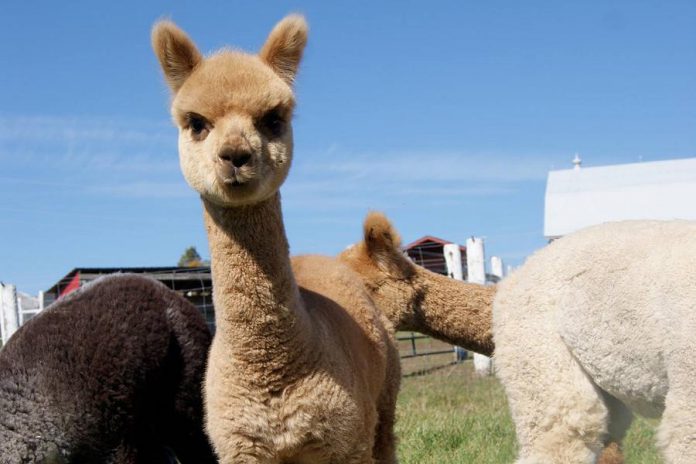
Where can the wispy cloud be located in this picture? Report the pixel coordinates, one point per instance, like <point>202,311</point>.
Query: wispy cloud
<point>83,129</point>
<point>136,158</point>
<point>340,180</point>
<point>436,166</point>
<point>145,189</point>
<point>100,156</point>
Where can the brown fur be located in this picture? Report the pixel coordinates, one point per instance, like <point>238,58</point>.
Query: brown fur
<point>416,299</point>
<point>612,454</point>
<point>111,374</point>
<point>303,368</point>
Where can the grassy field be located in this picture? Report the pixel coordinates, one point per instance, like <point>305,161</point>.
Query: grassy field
<point>450,416</point>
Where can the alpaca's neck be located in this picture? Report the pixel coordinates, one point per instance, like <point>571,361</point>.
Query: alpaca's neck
<point>258,311</point>
<point>457,312</point>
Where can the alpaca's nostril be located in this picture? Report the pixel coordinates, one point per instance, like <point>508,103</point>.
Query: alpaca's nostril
<point>235,158</point>
<point>240,160</point>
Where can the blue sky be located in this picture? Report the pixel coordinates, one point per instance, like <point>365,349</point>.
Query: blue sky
<point>445,115</point>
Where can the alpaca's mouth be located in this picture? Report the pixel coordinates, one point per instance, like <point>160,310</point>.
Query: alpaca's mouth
<point>237,182</point>
<point>234,183</point>
<point>234,177</point>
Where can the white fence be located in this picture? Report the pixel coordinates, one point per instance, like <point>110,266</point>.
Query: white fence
<point>15,309</point>
<point>476,273</point>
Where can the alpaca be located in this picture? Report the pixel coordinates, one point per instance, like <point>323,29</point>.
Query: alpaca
<point>303,367</point>
<point>416,299</point>
<point>111,373</point>
<point>606,320</point>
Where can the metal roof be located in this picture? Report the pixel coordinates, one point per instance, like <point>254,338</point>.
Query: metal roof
<point>427,251</point>
<point>159,273</point>
<point>578,198</point>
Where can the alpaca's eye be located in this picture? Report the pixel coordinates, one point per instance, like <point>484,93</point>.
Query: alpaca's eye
<point>199,126</point>
<point>273,123</point>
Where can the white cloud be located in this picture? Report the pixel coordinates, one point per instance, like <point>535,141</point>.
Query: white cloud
<point>435,166</point>
<point>133,158</point>
<point>88,144</point>
<point>397,179</point>
<point>145,189</point>
<point>41,128</point>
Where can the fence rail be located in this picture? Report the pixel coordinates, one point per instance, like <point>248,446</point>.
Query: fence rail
<point>414,352</point>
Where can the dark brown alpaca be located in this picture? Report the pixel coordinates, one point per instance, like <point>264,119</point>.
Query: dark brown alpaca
<point>109,374</point>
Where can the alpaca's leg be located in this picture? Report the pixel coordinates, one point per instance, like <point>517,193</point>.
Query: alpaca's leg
<point>560,415</point>
<point>677,431</point>
<point>125,453</point>
<point>620,418</point>
<point>611,454</point>
<point>384,450</point>
<point>187,356</point>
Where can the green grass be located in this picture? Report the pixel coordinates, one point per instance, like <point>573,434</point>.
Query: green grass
<point>451,416</point>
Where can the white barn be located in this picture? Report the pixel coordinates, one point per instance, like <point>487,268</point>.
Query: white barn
<point>581,197</point>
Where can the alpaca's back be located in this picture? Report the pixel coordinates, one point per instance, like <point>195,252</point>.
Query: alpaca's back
<point>109,374</point>
<point>621,295</point>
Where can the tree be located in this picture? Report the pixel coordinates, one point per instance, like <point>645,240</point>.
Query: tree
<point>191,258</point>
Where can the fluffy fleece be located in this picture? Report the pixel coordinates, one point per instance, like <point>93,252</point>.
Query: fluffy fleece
<point>303,368</point>
<point>606,319</point>
<point>414,298</point>
<point>110,374</point>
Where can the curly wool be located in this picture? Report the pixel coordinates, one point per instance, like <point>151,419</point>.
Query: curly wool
<point>111,373</point>
<point>606,320</point>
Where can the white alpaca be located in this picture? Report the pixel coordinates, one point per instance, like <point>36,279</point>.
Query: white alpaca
<point>595,326</point>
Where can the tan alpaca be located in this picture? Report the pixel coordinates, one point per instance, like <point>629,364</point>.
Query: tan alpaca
<point>302,368</point>
<point>414,298</point>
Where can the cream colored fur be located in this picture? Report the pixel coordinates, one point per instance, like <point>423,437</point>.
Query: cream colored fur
<point>595,326</point>
<point>303,368</point>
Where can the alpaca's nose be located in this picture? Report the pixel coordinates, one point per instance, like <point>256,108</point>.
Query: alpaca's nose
<point>235,157</point>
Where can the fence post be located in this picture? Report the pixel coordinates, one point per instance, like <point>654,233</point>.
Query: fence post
<point>497,268</point>
<point>453,262</point>
<point>476,274</point>
<point>9,314</point>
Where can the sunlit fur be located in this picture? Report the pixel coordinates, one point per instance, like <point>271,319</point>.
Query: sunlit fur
<point>232,91</point>
<point>303,367</point>
<point>416,299</point>
<point>597,325</point>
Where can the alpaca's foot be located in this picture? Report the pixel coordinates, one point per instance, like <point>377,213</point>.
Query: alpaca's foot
<point>611,454</point>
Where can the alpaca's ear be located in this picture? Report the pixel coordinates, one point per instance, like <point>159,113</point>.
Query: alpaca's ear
<point>176,53</point>
<point>383,245</point>
<point>284,46</point>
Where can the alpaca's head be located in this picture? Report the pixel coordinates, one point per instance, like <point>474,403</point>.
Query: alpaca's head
<point>233,111</point>
<point>414,298</point>
<point>390,277</point>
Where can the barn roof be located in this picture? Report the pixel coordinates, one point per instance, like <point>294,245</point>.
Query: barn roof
<point>427,251</point>
<point>162,273</point>
<point>577,198</point>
